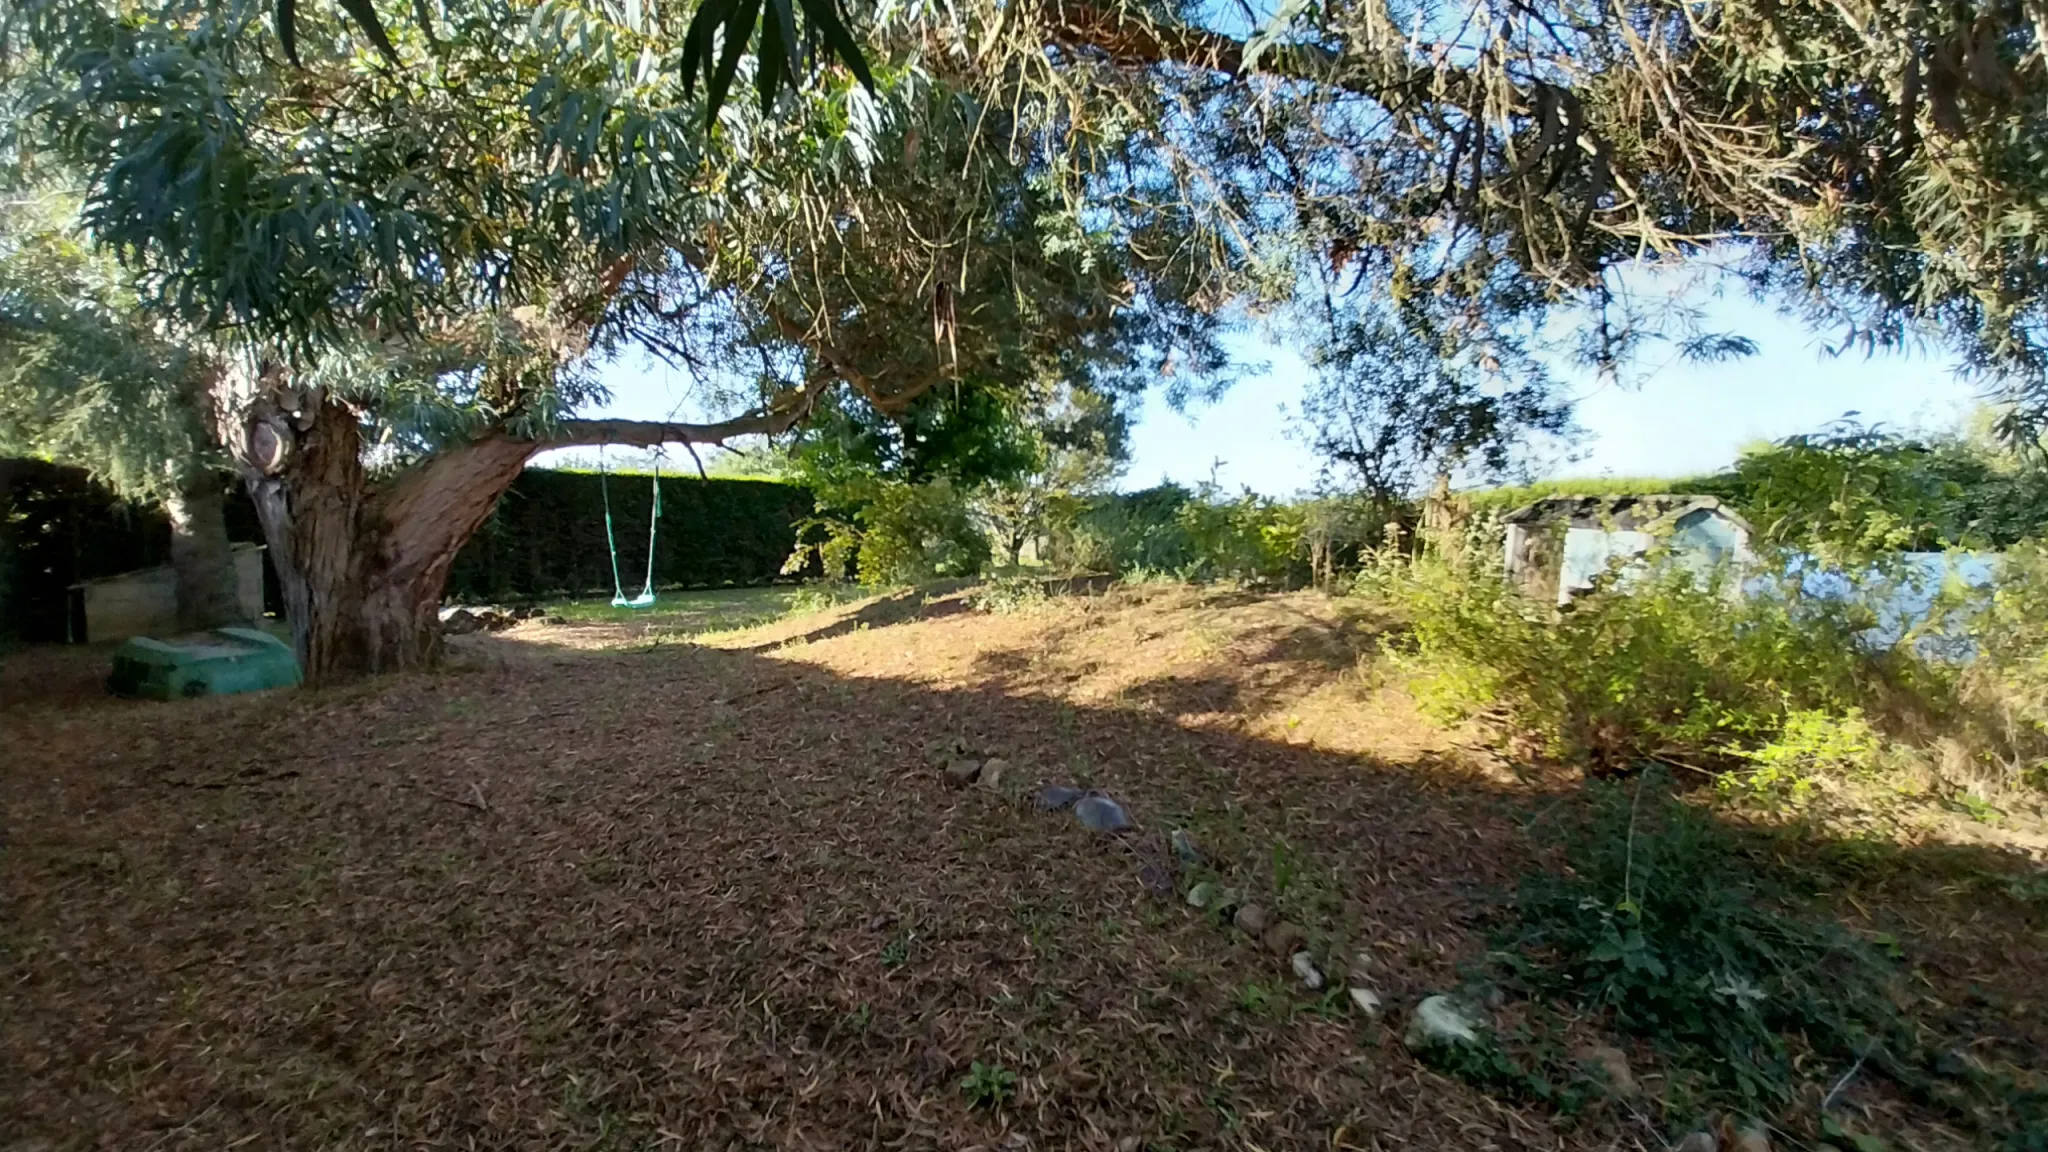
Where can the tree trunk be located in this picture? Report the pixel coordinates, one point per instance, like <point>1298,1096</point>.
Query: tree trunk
<point>363,568</point>
<point>203,564</point>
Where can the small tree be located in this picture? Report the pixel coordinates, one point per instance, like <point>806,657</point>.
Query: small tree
<point>1395,403</point>
<point>1080,445</point>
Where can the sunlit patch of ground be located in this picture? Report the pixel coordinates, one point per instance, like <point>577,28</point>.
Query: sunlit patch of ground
<point>645,883</point>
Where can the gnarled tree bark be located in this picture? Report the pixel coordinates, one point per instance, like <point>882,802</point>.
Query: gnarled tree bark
<point>363,565</point>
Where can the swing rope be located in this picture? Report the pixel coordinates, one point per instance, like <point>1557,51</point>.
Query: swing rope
<point>646,596</point>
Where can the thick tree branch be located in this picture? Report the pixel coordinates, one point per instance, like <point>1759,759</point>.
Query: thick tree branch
<point>780,415</point>
<point>1127,38</point>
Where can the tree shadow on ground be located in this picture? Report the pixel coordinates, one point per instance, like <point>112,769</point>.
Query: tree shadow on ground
<point>932,601</point>
<point>702,898</point>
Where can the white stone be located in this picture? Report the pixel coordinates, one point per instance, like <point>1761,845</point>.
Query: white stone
<point>1439,1021</point>
<point>1305,967</point>
<point>1367,1001</point>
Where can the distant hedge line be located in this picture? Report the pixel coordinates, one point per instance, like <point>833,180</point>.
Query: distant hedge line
<point>546,537</point>
<point>58,527</point>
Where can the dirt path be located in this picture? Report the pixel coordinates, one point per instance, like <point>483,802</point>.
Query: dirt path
<point>713,897</point>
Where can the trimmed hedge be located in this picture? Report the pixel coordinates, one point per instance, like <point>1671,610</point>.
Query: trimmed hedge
<point>58,527</point>
<point>546,537</point>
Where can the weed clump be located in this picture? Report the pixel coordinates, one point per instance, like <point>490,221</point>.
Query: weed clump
<point>1669,926</point>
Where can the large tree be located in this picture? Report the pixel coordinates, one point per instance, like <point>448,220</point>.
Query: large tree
<point>533,183</point>
<point>415,266</point>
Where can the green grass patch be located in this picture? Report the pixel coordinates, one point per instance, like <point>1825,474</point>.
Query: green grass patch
<point>710,609</point>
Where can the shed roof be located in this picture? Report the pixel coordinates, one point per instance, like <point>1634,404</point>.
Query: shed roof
<point>1627,513</point>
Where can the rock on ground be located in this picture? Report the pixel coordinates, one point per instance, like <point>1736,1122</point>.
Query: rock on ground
<point>1055,797</point>
<point>1250,919</point>
<point>1101,814</point>
<point>963,771</point>
<point>1366,1001</point>
<point>1440,1021</point>
<point>1613,1063</point>
<point>1285,939</point>
<point>1305,967</point>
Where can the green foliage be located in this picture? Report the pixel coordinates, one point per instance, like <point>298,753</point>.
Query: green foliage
<point>1507,499</point>
<point>1811,744</point>
<point>988,1085</point>
<point>1851,495</point>
<point>1674,667</point>
<point>1187,535</point>
<point>85,377</point>
<point>1339,532</point>
<point>2007,683</point>
<point>1667,929</point>
<point>895,534</point>
<point>546,536</point>
<point>1541,1078</point>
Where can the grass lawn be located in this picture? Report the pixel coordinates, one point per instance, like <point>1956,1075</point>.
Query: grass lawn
<point>578,891</point>
<point>686,610</point>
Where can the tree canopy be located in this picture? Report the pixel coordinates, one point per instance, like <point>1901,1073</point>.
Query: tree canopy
<point>426,232</point>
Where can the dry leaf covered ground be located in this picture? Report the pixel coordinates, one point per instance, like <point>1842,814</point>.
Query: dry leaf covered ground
<point>602,886</point>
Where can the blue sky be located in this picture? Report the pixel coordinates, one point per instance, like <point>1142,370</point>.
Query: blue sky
<point>1685,418</point>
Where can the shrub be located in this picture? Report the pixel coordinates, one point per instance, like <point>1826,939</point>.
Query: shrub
<point>1811,744</point>
<point>1672,668</point>
<point>2007,683</point>
<point>1188,535</point>
<point>1698,938</point>
<point>1009,595</point>
<point>894,533</point>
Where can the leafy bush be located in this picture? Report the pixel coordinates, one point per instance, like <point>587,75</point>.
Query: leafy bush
<point>897,533</point>
<point>1667,929</point>
<point>2007,683</point>
<point>1674,668</point>
<point>1189,535</point>
<point>1811,744</point>
<point>1008,595</point>
<point>1698,938</point>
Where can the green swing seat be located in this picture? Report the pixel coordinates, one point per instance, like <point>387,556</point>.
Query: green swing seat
<point>619,598</point>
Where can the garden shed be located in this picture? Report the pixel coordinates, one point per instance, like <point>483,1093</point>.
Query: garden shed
<point>1556,546</point>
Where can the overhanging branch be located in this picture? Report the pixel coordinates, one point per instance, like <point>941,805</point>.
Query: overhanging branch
<point>1129,38</point>
<point>780,415</point>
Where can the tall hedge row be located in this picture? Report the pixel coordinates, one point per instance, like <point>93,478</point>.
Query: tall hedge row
<point>58,527</point>
<point>546,537</point>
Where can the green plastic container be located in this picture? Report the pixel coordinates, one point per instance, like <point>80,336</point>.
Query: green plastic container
<point>224,661</point>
